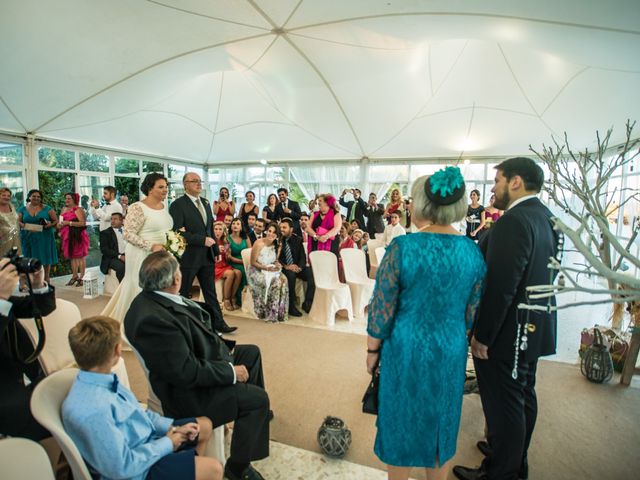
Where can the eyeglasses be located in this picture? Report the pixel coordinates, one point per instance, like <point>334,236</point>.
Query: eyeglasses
<point>199,182</point>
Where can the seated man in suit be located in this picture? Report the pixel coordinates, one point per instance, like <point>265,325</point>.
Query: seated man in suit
<point>294,265</point>
<point>193,371</point>
<point>112,244</point>
<point>251,225</point>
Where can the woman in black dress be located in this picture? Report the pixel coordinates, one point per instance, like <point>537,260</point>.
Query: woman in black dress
<point>475,216</point>
<point>269,210</point>
<point>247,208</point>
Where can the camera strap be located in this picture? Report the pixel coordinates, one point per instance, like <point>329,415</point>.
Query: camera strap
<point>12,332</point>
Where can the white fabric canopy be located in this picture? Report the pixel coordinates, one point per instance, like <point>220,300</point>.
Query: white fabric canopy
<point>215,81</point>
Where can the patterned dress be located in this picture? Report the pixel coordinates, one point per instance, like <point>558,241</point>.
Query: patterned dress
<point>9,231</point>
<point>269,290</point>
<point>427,290</point>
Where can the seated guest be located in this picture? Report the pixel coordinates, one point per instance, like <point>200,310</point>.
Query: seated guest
<point>251,224</point>
<point>112,244</point>
<point>258,230</point>
<point>358,239</point>
<point>269,287</point>
<point>304,223</point>
<point>294,265</point>
<point>227,222</point>
<point>229,275</point>
<point>115,436</point>
<point>192,370</point>
<point>354,225</point>
<point>393,230</point>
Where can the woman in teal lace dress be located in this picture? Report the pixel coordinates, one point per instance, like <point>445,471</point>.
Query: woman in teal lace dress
<point>238,241</point>
<point>427,289</point>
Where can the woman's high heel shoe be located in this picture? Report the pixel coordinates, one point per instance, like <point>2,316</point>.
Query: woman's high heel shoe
<point>227,305</point>
<point>79,283</point>
<point>72,281</point>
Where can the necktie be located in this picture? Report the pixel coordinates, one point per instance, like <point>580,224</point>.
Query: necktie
<point>352,213</point>
<point>287,253</point>
<point>203,214</point>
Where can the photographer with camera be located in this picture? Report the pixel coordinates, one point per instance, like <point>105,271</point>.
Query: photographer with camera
<point>19,370</point>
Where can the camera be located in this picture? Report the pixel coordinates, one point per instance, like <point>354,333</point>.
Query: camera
<point>23,264</point>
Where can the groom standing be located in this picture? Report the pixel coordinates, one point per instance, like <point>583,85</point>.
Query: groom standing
<point>192,216</point>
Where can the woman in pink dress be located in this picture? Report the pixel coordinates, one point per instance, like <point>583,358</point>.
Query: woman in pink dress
<point>324,226</point>
<point>75,240</point>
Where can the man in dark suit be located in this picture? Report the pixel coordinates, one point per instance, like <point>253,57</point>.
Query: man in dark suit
<point>506,341</point>
<point>374,213</point>
<point>288,209</point>
<point>355,208</point>
<point>112,245</point>
<point>193,371</point>
<point>252,218</point>
<point>15,414</point>
<point>193,217</point>
<point>294,265</point>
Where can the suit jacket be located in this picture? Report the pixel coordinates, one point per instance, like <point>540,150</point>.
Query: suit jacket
<point>187,216</point>
<point>374,219</point>
<point>293,215</point>
<point>189,365</point>
<point>109,248</point>
<point>517,251</point>
<point>361,206</point>
<point>297,251</point>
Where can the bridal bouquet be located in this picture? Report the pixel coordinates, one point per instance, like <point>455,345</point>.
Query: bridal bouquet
<point>175,244</point>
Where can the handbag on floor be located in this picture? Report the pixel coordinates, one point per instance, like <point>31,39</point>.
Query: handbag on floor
<point>370,398</point>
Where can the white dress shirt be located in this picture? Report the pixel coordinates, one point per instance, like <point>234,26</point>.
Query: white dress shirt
<point>122,243</point>
<point>391,232</point>
<point>522,199</point>
<point>104,213</point>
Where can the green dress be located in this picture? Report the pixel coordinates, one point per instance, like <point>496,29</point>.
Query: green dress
<point>40,245</point>
<point>236,249</point>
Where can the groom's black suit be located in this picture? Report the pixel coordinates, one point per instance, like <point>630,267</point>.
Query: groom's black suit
<point>197,260</point>
<point>190,371</point>
<point>517,251</point>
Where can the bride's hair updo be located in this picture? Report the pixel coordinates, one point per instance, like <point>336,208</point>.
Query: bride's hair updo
<point>149,182</point>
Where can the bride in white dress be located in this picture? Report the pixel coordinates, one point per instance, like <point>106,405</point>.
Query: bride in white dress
<point>145,228</point>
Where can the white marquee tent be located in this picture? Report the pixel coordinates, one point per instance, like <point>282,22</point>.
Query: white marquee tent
<point>215,81</point>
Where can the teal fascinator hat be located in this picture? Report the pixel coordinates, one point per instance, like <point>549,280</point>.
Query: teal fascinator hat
<point>446,186</point>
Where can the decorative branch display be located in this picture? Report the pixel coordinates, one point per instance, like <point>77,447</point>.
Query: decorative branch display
<point>578,183</point>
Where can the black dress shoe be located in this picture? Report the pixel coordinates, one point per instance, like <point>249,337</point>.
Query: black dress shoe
<point>270,416</point>
<point>484,448</point>
<point>249,473</point>
<point>466,473</point>
<point>294,312</point>
<point>226,329</point>
<point>306,307</point>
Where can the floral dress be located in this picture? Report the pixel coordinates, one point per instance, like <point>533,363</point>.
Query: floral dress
<point>269,290</point>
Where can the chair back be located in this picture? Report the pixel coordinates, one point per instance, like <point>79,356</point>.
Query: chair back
<point>325,269</point>
<point>380,251</point>
<point>354,264</point>
<point>246,261</point>
<point>372,244</point>
<point>46,407</point>
<point>56,354</point>
<point>24,459</point>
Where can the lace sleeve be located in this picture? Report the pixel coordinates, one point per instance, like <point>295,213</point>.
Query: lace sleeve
<point>474,302</point>
<point>384,302</point>
<point>132,224</point>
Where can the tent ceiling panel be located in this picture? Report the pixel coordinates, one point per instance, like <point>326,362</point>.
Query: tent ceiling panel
<point>242,80</point>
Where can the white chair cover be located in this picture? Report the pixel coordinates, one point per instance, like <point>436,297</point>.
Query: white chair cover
<point>371,249</point>
<point>57,354</point>
<point>23,459</point>
<point>46,407</point>
<point>331,295</point>
<point>247,298</point>
<point>355,273</point>
<point>380,251</point>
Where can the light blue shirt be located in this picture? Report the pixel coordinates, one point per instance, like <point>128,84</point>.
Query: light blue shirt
<point>112,432</point>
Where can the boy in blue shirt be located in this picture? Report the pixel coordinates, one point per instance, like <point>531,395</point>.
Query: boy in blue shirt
<point>115,436</point>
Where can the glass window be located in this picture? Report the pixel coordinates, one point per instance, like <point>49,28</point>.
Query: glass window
<point>54,158</point>
<point>176,172</point>
<point>127,165</point>
<point>149,167</point>
<point>129,186</point>
<point>91,187</point>
<point>94,162</point>
<point>10,154</point>
<point>472,171</point>
<point>14,181</point>
<point>54,186</point>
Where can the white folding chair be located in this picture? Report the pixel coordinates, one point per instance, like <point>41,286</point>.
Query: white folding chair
<point>23,459</point>
<point>372,244</point>
<point>247,297</point>
<point>56,354</point>
<point>331,295</point>
<point>355,273</point>
<point>380,251</point>
<point>46,407</point>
